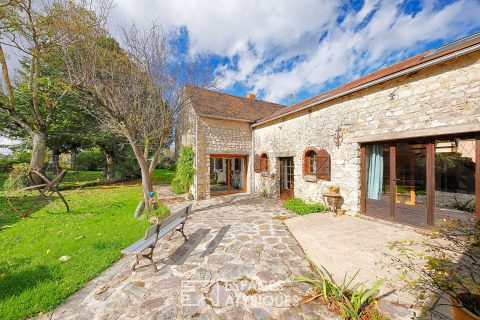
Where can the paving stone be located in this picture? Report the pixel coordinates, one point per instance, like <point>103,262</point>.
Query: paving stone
<point>234,277</point>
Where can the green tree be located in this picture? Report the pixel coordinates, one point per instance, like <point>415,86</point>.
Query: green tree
<point>38,32</point>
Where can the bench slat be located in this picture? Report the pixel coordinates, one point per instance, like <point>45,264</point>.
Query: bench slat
<point>158,231</point>
<point>139,246</point>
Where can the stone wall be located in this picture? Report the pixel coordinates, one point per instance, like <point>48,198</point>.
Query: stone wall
<point>439,100</point>
<point>185,127</point>
<point>217,136</point>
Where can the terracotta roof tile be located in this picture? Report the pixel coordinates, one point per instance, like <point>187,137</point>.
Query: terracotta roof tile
<point>402,65</point>
<point>220,105</point>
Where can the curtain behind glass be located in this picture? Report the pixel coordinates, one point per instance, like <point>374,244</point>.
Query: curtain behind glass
<point>375,172</point>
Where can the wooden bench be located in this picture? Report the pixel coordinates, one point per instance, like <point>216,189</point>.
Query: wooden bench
<point>156,232</point>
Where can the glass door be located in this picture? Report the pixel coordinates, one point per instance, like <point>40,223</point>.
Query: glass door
<point>227,174</point>
<point>411,184</point>
<point>378,181</point>
<point>286,178</point>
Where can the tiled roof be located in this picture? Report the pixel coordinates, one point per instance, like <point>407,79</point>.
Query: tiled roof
<point>397,67</point>
<point>224,106</point>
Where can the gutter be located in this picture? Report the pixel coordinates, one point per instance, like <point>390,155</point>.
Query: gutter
<point>224,118</point>
<point>424,65</point>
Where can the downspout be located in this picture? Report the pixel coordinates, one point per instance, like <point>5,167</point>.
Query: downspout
<point>196,157</point>
<point>252,166</point>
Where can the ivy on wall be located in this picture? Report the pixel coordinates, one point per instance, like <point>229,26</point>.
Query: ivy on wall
<point>185,171</point>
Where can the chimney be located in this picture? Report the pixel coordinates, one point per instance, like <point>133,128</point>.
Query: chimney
<point>251,95</point>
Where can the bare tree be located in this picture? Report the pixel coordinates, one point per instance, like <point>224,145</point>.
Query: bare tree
<point>137,90</point>
<point>36,30</point>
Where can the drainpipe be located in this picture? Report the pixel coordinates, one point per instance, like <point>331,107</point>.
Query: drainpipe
<point>252,161</point>
<point>196,158</point>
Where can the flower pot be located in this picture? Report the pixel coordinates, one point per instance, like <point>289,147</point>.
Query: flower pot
<point>461,313</point>
<point>340,212</point>
<point>334,190</point>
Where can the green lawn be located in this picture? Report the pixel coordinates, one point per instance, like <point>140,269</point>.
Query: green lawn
<point>162,176</point>
<point>100,224</point>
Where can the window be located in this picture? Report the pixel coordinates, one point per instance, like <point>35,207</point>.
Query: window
<point>316,163</point>
<point>264,163</point>
<point>261,163</point>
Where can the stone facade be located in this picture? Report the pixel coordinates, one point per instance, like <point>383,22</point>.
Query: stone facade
<point>210,136</point>
<point>442,99</point>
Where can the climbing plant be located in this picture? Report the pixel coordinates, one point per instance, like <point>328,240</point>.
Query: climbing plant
<point>185,171</point>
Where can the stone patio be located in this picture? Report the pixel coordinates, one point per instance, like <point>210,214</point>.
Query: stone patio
<point>346,244</point>
<point>236,264</point>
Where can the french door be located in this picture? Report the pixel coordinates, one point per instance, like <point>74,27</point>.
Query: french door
<point>228,174</point>
<point>419,182</point>
<point>286,178</point>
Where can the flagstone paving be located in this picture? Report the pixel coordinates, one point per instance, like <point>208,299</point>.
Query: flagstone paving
<point>237,264</point>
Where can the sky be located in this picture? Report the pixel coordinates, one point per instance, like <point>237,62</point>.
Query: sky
<point>279,48</point>
<point>299,47</point>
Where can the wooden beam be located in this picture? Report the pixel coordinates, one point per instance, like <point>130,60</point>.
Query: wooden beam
<point>477,179</point>
<point>363,177</point>
<point>430,167</point>
<point>393,180</point>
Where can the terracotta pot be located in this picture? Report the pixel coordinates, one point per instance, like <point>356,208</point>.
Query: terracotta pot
<point>459,313</point>
<point>334,190</point>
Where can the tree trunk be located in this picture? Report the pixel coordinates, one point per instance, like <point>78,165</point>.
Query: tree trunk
<point>110,167</point>
<point>54,165</point>
<point>146,188</point>
<point>73,159</point>
<point>37,162</point>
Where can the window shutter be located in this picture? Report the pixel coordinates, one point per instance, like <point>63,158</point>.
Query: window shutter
<point>256,164</point>
<point>323,165</point>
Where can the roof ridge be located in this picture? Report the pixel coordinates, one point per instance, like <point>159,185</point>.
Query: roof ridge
<point>235,96</point>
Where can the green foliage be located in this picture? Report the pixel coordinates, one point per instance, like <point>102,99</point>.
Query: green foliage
<point>128,168</point>
<point>299,206</point>
<point>352,301</point>
<point>18,177</point>
<point>185,171</point>
<point>7,161</point>
<point>100,224</point>
<point>446,263</point>
<point>91,160</point>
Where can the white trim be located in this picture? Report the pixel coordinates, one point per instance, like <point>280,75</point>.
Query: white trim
<point>380,80</point>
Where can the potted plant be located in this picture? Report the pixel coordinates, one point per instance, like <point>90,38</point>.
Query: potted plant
<point>334,188</point>
<point>447,264</point>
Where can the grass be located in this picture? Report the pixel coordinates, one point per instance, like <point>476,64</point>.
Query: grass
<point>100,224</point>
<point>299,206</point>
<point>162,176</point>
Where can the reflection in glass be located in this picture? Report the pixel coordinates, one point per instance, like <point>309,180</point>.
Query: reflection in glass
<point>454,179</point>
<point>237,174</point>
<point>411,183</point>
<point>218,175</point>
<point>378,183</point>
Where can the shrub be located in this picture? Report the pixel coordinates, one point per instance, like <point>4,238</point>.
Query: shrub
<point>185,171</point>
<point>7,161</point>
<point>299,206</point>
<point>127,169</point>
<point>351,301</point>
<point>91,160</point>
<point>18,177</point>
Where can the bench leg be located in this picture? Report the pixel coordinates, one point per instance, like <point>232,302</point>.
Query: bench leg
<point>181,231</point>
<point>148,256</point>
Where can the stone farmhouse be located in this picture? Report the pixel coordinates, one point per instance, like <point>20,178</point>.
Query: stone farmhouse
<point>402,143</point>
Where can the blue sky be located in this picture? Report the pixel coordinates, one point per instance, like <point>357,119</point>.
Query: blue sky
<point>299,47</point>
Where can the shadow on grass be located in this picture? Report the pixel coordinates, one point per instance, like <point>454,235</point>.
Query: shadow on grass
<point>14,282</point>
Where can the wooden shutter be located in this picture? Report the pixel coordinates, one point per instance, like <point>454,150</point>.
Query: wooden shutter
<point>256,164</point>
<point>264,163</point>
<point>323,165</point>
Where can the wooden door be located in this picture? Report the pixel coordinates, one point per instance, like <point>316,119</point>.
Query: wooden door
<point>286,178</point>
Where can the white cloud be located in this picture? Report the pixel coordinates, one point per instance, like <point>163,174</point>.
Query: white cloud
<point>260,37</point>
